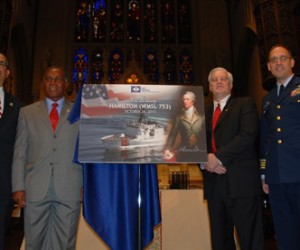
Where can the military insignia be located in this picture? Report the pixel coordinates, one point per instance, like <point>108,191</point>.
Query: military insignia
<point>263,164</point>
<point>11,104</point>
<point>296,91</point>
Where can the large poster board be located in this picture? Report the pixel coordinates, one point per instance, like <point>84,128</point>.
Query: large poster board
<point>123,123</point>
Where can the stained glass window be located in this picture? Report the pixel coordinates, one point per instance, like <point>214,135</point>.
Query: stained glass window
<point>97,66</point>
<point>99,20</point>
<point>115,65</point>
<point>82,21</point>
<point>169,67</point>
<point>153,36</point>
<point>185,67</point>
<point>168,22</point>
<point>80,68</point>
<point>150,21</point>
<point>151,66</point>
<point>117,21</point>
<point>134,20</point>
<point>184,23</point>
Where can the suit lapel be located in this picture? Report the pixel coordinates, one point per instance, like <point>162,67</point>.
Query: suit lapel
<point>273,95</point>
<point>209,115</point>
<point>8,106</point>
<point>62,118</point>
<point>44,115</point>
<point>194,118</point>
<point>64,114</point>
<point>224,112</point>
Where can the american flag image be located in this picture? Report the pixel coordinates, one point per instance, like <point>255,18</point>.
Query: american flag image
<point>91,91</point>
<point>97,97</point>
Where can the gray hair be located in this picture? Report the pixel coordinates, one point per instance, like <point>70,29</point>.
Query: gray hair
<point>191,95</point>
<point>229,75</point>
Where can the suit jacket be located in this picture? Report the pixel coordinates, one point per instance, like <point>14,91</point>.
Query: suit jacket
<point>8,127</point>
<point>280,134</point>
<point>41,154</point>
<point>235,135</point>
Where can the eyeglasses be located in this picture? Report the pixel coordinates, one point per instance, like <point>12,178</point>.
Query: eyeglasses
<point>277,59</point>
<point>3,64</point>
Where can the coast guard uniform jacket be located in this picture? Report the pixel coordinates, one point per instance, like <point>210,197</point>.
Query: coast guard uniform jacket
<point>280,134</point>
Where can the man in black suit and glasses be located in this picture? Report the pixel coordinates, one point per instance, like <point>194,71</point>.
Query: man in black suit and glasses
<point>9,111</point>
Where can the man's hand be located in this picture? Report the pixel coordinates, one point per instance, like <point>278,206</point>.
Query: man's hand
<point>19,198</point>
<point>169,155</point>
<point>214,166</point>
<point>220,169</point>
<point>265,187</point>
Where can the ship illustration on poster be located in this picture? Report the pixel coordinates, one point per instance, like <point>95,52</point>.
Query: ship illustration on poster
<point>122,123</point>
<point>142,132</point>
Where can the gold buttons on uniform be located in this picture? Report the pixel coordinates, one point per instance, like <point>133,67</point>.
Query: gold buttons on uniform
<point>278,118</point>
<point>278,129</point>
<point>278,106</point>
<point>279,141</point>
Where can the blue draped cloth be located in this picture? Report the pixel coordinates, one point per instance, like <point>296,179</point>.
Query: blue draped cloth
<point>111,193</point>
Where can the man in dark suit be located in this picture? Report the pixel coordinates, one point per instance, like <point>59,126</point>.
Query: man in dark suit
<point>45,180</point>
<point>231,176</point>
<point>9,111</point>
<point>280,148</point>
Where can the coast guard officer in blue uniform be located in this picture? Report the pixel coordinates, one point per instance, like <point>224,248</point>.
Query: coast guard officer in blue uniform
<point>280,148</point>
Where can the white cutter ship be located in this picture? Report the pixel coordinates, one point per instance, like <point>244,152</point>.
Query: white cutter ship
<point>140,133</point>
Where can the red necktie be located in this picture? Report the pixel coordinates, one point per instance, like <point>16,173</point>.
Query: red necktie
<point>216,116</point>
<point>54,116</point>
<point>0,109</point>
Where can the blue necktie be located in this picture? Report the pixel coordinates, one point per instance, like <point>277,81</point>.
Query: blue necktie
<point>281,88</point>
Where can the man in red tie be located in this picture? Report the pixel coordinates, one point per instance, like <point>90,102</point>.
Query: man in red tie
<point>231,176</point>
<point>45,180</point>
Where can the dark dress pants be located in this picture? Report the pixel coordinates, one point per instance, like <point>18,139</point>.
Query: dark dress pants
<point>285,207</point>
<point>226,213</point>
